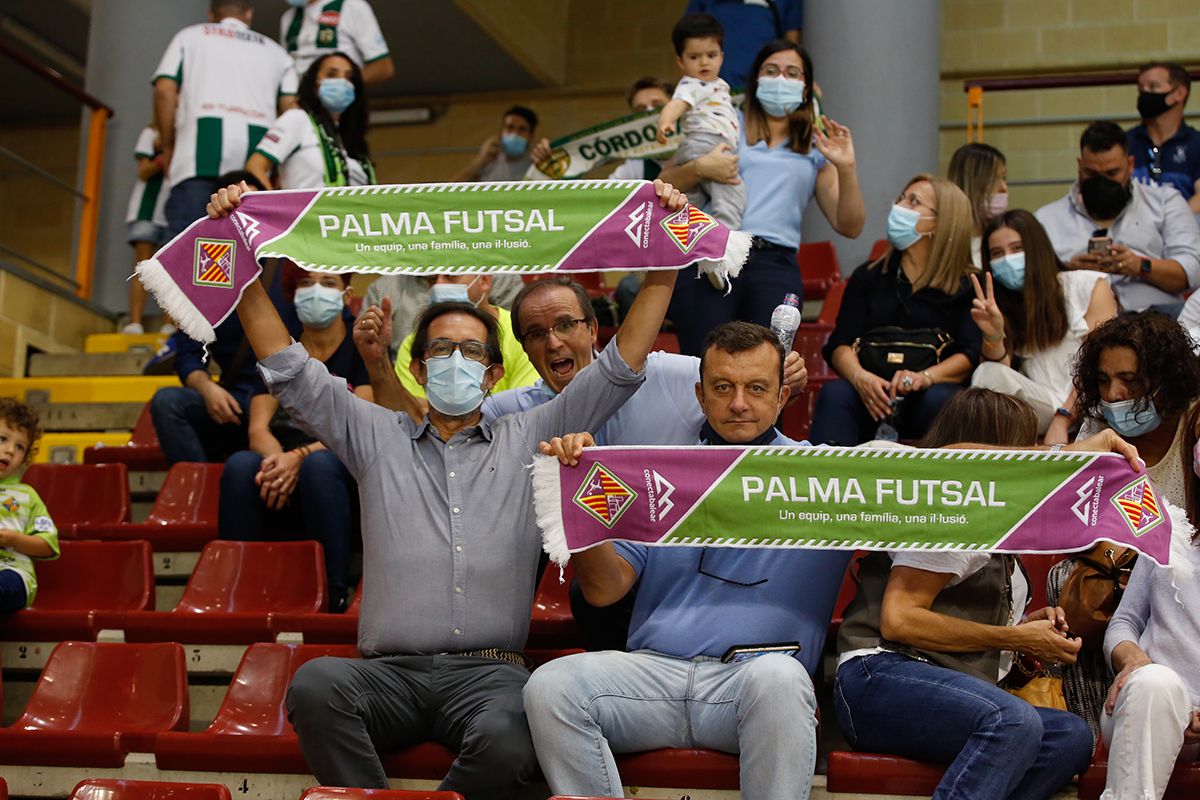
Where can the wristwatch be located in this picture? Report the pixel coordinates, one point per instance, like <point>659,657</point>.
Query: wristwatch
<point>1145,267</point>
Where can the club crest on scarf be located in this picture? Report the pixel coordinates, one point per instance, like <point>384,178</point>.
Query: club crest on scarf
<point>1138,506</point>
<point>687,226</point>
<point>214,263</point>
<point>604,496</point>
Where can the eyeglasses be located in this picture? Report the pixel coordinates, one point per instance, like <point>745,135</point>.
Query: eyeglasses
<point>792,72</point>
<point>911,200</point>
<point>1155,165</point>
<point>701,570</point>
<point>472,349</point>
<point>562,330</point>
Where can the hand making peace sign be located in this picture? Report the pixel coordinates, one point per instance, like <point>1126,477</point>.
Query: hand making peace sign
<point>984,311</point>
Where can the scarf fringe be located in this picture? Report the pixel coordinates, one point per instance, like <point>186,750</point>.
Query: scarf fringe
<point>1180,565</point>
<point>172,300</point>
<point>547,504</point>
<point>737,250</point>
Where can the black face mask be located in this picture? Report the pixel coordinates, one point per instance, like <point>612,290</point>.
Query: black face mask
<point>1104,198</point>
<point>1152,104</point>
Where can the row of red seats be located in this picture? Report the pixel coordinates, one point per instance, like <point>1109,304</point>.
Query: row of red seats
<point>116,789</point>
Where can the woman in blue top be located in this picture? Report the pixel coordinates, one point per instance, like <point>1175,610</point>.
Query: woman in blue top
<point>784,160</point>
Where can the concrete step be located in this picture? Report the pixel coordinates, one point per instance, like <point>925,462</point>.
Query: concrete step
<point>124,343</point>
<point>59,417</point>
<point>121,389</point>
<point>68,364</point>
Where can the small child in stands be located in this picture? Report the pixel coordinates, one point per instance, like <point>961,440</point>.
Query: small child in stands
<point>26,530</point>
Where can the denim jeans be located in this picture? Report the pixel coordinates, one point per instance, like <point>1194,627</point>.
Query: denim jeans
<point>996,744</point>
<point>187,433</point>
<point>323,506</point>
<point>185,204</point>
<point>13,596</point>
<point>840,417</point>
<point>584,708</point>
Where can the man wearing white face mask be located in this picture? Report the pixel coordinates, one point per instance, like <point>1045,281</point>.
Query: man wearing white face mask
<point>472,289</point>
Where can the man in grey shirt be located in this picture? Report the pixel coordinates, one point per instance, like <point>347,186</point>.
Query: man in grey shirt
<point>450,540</point>
<point>1153,252</point>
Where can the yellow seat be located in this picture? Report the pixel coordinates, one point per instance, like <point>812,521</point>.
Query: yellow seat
<point>67,448</point>
<point>95,389</point>
<point>124,342</point>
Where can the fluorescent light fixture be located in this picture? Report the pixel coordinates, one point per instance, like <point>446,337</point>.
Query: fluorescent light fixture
<point>402,116</point>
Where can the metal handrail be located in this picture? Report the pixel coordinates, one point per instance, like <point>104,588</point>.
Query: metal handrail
<point>89,219</point>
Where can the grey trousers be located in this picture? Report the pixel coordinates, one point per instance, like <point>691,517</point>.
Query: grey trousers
<point>725,201</point>
<point>346,711</point>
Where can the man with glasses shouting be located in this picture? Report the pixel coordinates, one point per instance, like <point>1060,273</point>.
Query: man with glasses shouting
<point>450,541</point>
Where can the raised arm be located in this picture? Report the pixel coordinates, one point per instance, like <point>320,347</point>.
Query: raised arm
<point>372,333</point>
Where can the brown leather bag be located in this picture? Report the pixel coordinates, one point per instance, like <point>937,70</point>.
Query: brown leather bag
<point>1090,595</point>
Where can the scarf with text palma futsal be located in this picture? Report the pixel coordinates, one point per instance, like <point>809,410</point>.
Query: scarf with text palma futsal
<point>851,499</point>
<point>424,229</point>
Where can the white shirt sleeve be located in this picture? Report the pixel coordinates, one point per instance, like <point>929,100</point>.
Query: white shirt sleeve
<point>289,82</point>
<point>171,65</point>
<point>145,143</point>
<point>957,564</point>
<point>283,138</point>
<point>631,169</point>
<point>694,91</point>
<point>359,21</point>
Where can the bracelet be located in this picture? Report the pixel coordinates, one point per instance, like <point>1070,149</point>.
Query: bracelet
<point>994,339</point>
<point>1054,448</point>
<point>928,377</point>
<point>303,450</point>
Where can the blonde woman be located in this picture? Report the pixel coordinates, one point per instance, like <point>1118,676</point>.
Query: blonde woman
<point>919,284</point>
<point>982,173</point>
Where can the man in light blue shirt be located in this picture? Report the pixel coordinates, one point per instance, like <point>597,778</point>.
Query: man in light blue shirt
<point>694,605</point>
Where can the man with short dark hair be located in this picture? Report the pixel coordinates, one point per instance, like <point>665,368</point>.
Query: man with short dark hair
<point>1143,235</point>
<point>694,606</point>
<point>1166,149</point>
<point>505,156</point>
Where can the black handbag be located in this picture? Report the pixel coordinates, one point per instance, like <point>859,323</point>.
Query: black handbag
<point>885,351</point>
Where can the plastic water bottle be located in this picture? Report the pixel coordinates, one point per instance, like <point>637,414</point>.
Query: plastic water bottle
<point>785,320</point>
<point>886,432</point>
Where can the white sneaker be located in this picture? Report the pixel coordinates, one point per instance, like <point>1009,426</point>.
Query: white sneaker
<point>134,328</point>
<point>167,329</point>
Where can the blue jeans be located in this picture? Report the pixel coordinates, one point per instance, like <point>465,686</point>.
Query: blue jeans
<point>583,708</point>
<point>996,744</point>
<point>323,507</point>
<point>187,433</point>
<point>13,596</point>
<point>185,204</point>
<point>840,417</point>
<point>696,307</point>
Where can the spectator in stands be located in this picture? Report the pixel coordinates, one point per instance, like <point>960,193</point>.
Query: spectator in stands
<point>981,171</point>
<point>785,160</point>
<point>313,28</point>
<point>748,26</point>
<point>1033,315</point>
<point>145,222</point>
<point>288,484</point>
<point>929,636</point>
<point>1166,149</point>
<point>222,83</point>
<point>322,142</point>
<point>473,289</point>
<point>460,560</point>
<point>1150,720</point>
<point>556,326</point>
<point>1137,375</point>
<point>702,108</point>
<point>695,605</point>
<point>204,420</point>
<point>1143,235</point>
<point>920,282</point>
<point>505,156</point>
<point>26,529</point>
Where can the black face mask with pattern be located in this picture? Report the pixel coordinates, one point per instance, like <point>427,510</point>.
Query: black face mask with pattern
<point>1103,197</point>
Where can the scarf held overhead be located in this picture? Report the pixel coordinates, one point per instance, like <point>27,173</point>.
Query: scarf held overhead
<point>849,499</point>
<point>425,229</point>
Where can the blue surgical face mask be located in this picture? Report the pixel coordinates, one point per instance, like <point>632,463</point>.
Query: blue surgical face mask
<point>336,94</point>
<point>902,227</point>
<point>296,3</point>
<point>454,385</point>
<point>1010,271</point>
<point>514,144</point>
<point>780,96</point>
<point>1126,421</point>
<point>318,305</point>
<point>451,293</point>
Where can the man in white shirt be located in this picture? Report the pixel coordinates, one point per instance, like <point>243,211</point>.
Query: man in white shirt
<point>313,28</point>
<point>217,90</point>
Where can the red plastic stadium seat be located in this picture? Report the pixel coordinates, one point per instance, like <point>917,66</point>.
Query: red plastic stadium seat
<point>232,592</point>
<point>86,589</point>
<point>593,282</point>
<point>251,732</point>
<point>184,516</point>
<point>552,624</point>
<point>142,453</point>
<point>3,789</point>
<point>336,793</point>
<point>878,249</point>
<point>1184,783</point>
<point>819,268</point>
<point>699,769</point>
<point>832,304</point>
<point>797,416</point>
<point>81,496</point>
<point>873,773</point>
<point>95,702</point>
<point>846,594</point>
<point>667,341</point>
<point>97,789</point>
<point>322,628</point>
<point>810,338</point>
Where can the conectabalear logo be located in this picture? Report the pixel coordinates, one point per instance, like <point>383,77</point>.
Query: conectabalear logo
<point>214,263</point>
<point>604,496</point>
<point>638,228</point>
<point>687,226</point>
